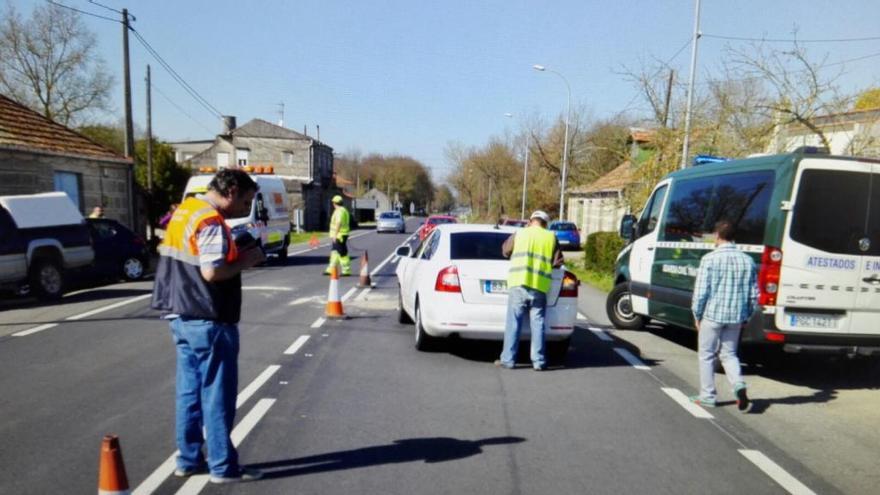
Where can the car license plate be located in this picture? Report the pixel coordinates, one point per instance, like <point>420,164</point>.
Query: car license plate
<point>812,320</point>
<point>495,286</point>
<point>563,241</point>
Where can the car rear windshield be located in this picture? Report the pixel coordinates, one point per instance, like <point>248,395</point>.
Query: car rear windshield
<point>563,226</point>
<point>832,211</point>
<point>477,245</point>
<point>389,214</point>
<point>438,221</point>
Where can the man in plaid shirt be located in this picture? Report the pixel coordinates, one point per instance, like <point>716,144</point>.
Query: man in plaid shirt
<point>725,295</point>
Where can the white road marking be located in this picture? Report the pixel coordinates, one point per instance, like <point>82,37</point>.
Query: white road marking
<point>258,382</point>
<point>299,342</point>
<point>382,264</point>
<point>303,300</point>
<point>157,477</point>
<point>320,321</point>
<point>776,473</point>
<point>348,294</point>
<point>196,483</point>
<point>267,288</point>
<point>598,332</point>
<point>363,294</point>
<point>31,331</point>
<point>686,403</point>
<point>395,259</point>
<point>581,316</point>
<point>631,359</point>
<point>301,251</point>
<point>108,308</point>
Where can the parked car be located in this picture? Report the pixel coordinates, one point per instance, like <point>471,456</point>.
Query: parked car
<point>43,237</point>
<point>455,283</point>
<point>119,252</point>
<point>510,222</point>
<point>567,234</point>
<point>433,221</point>
<point>390,221</point>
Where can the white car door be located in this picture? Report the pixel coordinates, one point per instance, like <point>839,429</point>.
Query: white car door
<point>641,257</point>
<point>410,272</point>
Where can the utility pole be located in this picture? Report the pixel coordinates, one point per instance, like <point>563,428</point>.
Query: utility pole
<point>149,156</point>
<point>690,97</point>
<point>129,125</point>
<point>522,213</point>
<point>668,98</point>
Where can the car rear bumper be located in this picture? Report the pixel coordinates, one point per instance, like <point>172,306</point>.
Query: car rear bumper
<point>762,329</point>
<point>487,322</point>
<point>388,228</point>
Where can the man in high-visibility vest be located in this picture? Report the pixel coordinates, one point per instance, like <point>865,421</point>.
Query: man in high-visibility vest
<point>534,252</point>
<point>339,230</point>
<point>198,287</point>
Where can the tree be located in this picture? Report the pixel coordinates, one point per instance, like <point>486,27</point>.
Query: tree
<point>444,200</point>
<point>112,137</point>
<point>169,178</point>
<point>49,63</point>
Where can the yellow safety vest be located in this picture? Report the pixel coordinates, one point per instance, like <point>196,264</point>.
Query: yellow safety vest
<point>531,263</point>
<point>339,223</point>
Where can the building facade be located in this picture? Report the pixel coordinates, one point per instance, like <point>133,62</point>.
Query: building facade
<point>848,133</point>
<point>38,155</point>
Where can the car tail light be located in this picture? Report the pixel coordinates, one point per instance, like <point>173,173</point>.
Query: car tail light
<point>570,285</point>
<point>447,280</point>
<point>768,276</point>
<point>775,336</point>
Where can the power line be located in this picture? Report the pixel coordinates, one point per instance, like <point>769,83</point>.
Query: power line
<point>180,109</point>
<point>792,40</point>
<point>111,9</point>
<point>83,11</point>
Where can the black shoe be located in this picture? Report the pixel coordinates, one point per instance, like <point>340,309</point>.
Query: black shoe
<point>742,399</point>
<point>242,475</point>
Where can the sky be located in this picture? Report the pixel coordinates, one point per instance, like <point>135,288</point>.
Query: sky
<point>410,77</point>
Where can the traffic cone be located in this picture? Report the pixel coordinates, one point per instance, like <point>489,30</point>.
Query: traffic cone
<point>334,304</point>
<point>365,280</point>
<point>313,241</point>
<point>111,475</point>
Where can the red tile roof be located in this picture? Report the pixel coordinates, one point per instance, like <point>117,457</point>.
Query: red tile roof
<point>615,180</point>
<point>22,128</point>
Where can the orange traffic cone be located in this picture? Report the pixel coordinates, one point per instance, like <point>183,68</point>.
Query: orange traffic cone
<point>314,242</point>
<point>111,475</point>
<point>334,304</point>
<point>365,280</point>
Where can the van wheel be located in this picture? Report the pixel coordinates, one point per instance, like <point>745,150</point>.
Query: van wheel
<point>402,316</point>
<point>424,342</point>
<point>618,306</point>
<point>46,279</point>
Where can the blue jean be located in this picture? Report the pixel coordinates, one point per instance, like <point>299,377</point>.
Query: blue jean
<point>207,384</point>
<point>723,339</point>
<point>522,301</point>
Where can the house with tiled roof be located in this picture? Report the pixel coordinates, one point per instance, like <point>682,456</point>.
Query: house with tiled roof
<point>40,155</point>
<point>302,161</point>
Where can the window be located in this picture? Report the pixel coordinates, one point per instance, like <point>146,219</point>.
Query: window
<point>477,245</point>
<point>241,156</point>
<point>563,226</point>
<point>70,183</point>
<point>103,230</point>
<point>287,158</point>
<point>650,216</point>
<point>222,160</point>
<point>429,247</point>
<point>833,208</point>
<point>696,205</point>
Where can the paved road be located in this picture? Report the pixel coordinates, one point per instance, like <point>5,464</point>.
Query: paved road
<point>351,407</point>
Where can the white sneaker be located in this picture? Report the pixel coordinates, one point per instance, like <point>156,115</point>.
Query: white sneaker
<point>244,474</point>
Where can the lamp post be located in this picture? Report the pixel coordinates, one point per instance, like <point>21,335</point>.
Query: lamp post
<point>541,68</point>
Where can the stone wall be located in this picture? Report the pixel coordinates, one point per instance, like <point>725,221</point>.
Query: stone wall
<point>102,182</point>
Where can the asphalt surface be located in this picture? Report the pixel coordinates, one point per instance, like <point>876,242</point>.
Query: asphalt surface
<point>351,407</point>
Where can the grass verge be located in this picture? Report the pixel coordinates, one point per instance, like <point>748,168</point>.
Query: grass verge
<point>600,280</point>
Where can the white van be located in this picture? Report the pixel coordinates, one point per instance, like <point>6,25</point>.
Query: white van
<point>269,218</point>
<point>811,222</point>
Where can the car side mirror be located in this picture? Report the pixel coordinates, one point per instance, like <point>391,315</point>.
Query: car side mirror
<point>404,251</point>
<point>628,228</point>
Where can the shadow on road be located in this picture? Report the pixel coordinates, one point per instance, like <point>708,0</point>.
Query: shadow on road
<point>429,450</point>
<point>819,397</point>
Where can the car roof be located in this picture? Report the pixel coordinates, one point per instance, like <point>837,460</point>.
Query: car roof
<point>474,227</point>
<point>450,217</point>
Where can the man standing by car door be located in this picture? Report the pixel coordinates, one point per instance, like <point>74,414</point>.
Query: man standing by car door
<point>725,294</point>
<point>339,230</point>
<point>198,283</point>
<point>534,252</point>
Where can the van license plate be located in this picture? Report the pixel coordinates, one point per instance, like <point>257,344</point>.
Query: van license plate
<point>495,286</point>
<point>812,321</point>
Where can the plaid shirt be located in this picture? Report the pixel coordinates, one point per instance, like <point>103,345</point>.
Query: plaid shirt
<point>726,289</point>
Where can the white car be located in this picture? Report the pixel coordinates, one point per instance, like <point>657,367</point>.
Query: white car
<point>390,221</point>
<point>455,283</point>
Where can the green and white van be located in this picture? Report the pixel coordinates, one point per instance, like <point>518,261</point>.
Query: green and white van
<point>811,222</point>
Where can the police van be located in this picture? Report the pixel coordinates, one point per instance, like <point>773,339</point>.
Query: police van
<point>811,222</point>
<point>269,219</point>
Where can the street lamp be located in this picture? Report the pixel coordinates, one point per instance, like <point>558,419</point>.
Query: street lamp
<point>522,212</point>
<point>541,68</point>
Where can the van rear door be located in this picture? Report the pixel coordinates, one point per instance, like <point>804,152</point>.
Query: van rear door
<point>821,280</point>
<point>866,318</point>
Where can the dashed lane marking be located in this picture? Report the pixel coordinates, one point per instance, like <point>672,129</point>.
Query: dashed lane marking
<point>196,483</point>
<point>631,359</point>
<point>363,294</point>
<point>319,246</point>
<point>776,473</point>
<point>297,344</point>
<point>320,321</point>
<point>598,332</point>
<point>108,308</point>
<point>678,396</point>
<point>31,331</point>
<point>255,385</point>
<point>349,294</point>
<point>267,288</point>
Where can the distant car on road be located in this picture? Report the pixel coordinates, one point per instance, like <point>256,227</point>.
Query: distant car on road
<point>432,222</point>
<point>510,222</point>
<point>119,252</point>
<point>455,283</point>
<point>567,234</point>
<point>390,221</point>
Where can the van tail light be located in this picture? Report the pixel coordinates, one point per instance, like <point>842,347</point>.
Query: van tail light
<point>570,284</point>
<point>447,280</point>
<point>768,276</point>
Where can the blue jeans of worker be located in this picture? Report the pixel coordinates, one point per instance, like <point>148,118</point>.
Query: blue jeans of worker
<point>522,302</point>
<point>207,383</point>
<point>722,339</point>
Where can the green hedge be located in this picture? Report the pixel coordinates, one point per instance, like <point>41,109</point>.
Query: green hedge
<point>601,251</point>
